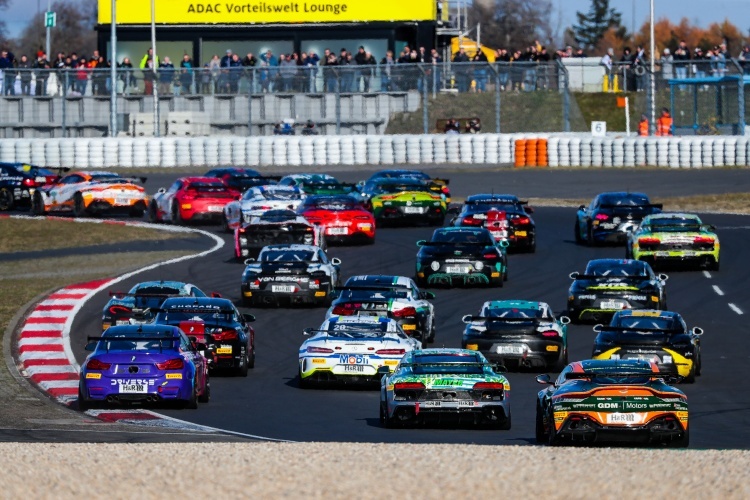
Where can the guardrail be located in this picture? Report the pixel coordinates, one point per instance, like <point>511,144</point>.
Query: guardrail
<point>562,150</point>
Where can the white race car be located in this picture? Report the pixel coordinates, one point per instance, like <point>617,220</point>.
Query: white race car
<point>352,349</point>
<point>258,200</point>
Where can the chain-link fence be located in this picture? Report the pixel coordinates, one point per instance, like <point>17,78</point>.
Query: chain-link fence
<point>561,95</point>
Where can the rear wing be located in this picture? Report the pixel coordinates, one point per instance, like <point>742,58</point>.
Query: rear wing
<point>587,375</point>
<point>470,319</point>
<point>503,201</point>
<point>630,277</point>
<point>646,205</point>
<point>625,329</point>
<point>121,295</point>
<point>438,180</point>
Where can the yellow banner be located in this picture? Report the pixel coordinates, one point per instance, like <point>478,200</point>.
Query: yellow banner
<point>267,11</point>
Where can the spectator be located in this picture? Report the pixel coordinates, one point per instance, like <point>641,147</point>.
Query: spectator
<point>24,69</point>
<point>437,70</point>
<point>224,64</point>
<point>699,66</point>
<point>452,126</point>
<point>681,60</point>
<point>473,126</point>
<point>249,63</point>
<point>287,72</point>
<point>359,60</point>
<point>272,65</point>
<point>7,68</point>
<point>643,126</point>
<point>580,53</point>
<point>607,63</point>
<point>206,87</point>
<point>667,65</point>
<point>720,53</point>
<point>235,74</point>
<point>214,70</point>
<point>166,76</point>
<point>346,63</point>
<point>82,76</point>
<point>387,63</point>
<point>148,76</point>
<point>99,75</point>
<point>263,76</point>
<point>664,123</point>
<point>744,59</point>
<point>640,62</point>
<point>480,70</point>
<point>369,72</point>
<point>42,69</point>
<point>330,75</point>
<point>628,77</point>
<point>463,71</point>
<point>304,74</point>
<point>309,128</point>
<point>502,57</point>
<point>144,60</point>
<point>186,76</point>
<point>126,75</point>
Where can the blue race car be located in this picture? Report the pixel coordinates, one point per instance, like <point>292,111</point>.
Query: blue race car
<point>143,364</point>
<point>609,216</point>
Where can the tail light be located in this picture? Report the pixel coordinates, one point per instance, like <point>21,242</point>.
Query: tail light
<point>550,333</point>
<point>319,350</point>
<point>445,190</point>
<point>225,335</point>
<point>647,242</point>
<point>119,310</point>
<point>344,311</point>
<point>471,221</point>
<point>387,197</point>
<point>362,217</point>
<point>406,312</point>
<point>29,182</point>
<point>489,255</point>
<point>95,364</point>
<point>601,217</point>
<point>391,352</point>
<point>488,386</point>
<point>172,364</point>
<point>262,207</point>
<point>408,386</point>
<point>241,230</point>
<point>703,240</point>
<point>519,221</point>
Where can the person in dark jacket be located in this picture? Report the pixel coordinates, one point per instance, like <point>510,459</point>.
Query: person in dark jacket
<point>186,76</point>
<point>8,69</point>
<point>126,74</point>
<point>42,69</point>
<point>24,69</point>
<point>249,62</point>
<point>463,71</point>
<point>166,76</point>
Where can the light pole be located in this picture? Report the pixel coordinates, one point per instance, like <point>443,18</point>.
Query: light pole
<point>113,73</point>
<point>653,76</point>
<point>47,25</point>
<point>154,60</point>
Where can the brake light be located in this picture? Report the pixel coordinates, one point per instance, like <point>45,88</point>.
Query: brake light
<point>471,221</point>
<point>549,333</point>
<point>488,386</point>
<point>362,217</point>
<point>262,207</point>
<point>406,312</point>
<point>445,190</point>
<point>319,350</point>
<point>601,217</point>
<point>172,364</point>
<point>119,310</point>
<point>521,220</point>
<point>490,255</point>
<point>225,335</point>
<point>343,310</point>
<point>387,197</point>
<point>95,364</point>
<point>703,240</point>
<point>241,230</point>
<point>391,352</point>
<point>648,241</point>
<point>189,193</point>
<point>406,386</point>
<point>29,182</point>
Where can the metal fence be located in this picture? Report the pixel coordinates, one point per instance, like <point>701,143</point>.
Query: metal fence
<point>506,97</point>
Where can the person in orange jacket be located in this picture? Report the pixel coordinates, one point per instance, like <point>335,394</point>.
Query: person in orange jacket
<point>643,126</point>
<point>664,123</point>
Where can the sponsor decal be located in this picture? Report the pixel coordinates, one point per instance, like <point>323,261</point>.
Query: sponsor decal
<point>552,348</point>
<point>318,361</point>
<point>95,376</point>
<point>174,375</point>
<point>447,382</point>
<point>607,406</point>
<point>131,381</point>
<point>353,359</point>
<point>391,362</point>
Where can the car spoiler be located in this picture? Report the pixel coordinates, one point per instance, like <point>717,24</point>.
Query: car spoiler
<point>276,178</point>
<point>624,329</point>
<point>631,277</point>
<point>123,295</point>
<point>646,205</point>
<point>438,180</point>
<point>498,200</point>
<point>195,310</point>
<point>471,318</point>
<point>329,333</point>
<point>585,375</point>
<point>457,243</point>
<point>90,340</point>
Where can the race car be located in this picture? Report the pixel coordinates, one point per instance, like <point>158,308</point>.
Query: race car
<point>92,193</point>
<point>438,186</point>
<point>395,297</point>
<point>18,181</point>
<point>342,218</point>
<point>138,304</point>
<point>403,200</point>
<point>599,401</point>
<point>143,364</point>
<point>675,239</point>
<point>611,285</point>
<point>215,322</point>
<point>609,216</point>
<point>258,200</point>
<point>242,179</point>
<point>192,199</point>
<point>518,334</point>
<point>504,215</point>
<point>661,337</point>
<point>463,256</point>
<point>437,384</point>
<point>316,184</point>
<point>297,274</point>
<point>275,227</point>
<point>351,349</point>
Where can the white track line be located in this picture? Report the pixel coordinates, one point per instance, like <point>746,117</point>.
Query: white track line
<point>735,309</point>
<point>707,274</point>
<point>718,291</point>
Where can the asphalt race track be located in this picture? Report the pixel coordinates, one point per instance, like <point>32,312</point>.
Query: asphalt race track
<point>269,403</point>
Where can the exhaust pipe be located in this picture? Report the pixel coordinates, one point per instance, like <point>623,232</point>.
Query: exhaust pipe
<point>111,399</point>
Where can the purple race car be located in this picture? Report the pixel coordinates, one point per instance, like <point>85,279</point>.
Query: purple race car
<point>143,364</point>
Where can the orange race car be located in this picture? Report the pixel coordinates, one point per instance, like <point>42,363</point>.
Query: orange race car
<point>626,400</point>
<point>92,193</point>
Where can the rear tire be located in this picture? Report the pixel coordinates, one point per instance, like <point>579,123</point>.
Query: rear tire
<point>683,442</point>
<point>176,215</point>
<point>241,370</point>
<point>301,382</point>
<point>79,207</point>
<point>83,405</point>
<point>37,204</point>
<point>690,379</point>
<point>192,403</point>
<point>7,199</point>
<point>505,424</point>
<point>225,224</point>
<point>251,360</point>
<point>552,438</point>
<point>385,419</point>
<point>153,213</point>
<point>206,396</point>
<point>541,435</point>
<point>714,266</point>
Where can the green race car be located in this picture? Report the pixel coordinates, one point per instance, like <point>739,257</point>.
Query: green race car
<point>437,384</point>
<point>405,200</point>
<point>316,184</point>
<point>674,238</point>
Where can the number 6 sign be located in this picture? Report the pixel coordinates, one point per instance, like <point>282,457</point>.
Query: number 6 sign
<point>598,129</point>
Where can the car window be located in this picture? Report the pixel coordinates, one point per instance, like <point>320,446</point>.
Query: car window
<point>175,187</point>
<point>71,179</point>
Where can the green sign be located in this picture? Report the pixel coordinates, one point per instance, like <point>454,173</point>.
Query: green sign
<point>50,19</point>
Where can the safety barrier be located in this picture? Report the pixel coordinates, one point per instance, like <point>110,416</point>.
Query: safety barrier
<point>521,150</point>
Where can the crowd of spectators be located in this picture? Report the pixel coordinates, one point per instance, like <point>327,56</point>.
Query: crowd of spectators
<point>411,69</point>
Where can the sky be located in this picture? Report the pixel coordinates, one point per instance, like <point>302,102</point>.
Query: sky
<point>700,12</point>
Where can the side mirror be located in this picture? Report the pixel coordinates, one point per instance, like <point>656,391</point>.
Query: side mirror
<point>499,368</point>
<point>360,184</point>
<point>581,208</point>
<point>215,295</point>
<point>504,244</point>
<point>307,332</point>
<point>663,277</point>
<point>336,261</point>
<point>117,295</point>
<point>161,190</point>
<point>428,295</point>
<point>544,379</point>
<point>249,318</point>
<point>384,370</point>
<point>466,319</point>
<point>697,331</point>
<point>249,261</point>
<point>564,320</point>
<point>91,346</point>
<point>598,327</point>
<point>574,275</point>
<point>421,243</point>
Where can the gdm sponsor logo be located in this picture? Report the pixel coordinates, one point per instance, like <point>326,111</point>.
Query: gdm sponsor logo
<point>607,406</point>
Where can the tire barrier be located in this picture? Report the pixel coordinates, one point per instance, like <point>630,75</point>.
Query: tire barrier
<point>519,150</point>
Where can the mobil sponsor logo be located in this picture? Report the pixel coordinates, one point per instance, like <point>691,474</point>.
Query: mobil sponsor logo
<point>132,381</point>
<point>353,359</point>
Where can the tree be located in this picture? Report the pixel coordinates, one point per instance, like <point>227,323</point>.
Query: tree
<point>513,24</point>
<point>3,30</point>
<point>74,31</point>
<point>594,24</point>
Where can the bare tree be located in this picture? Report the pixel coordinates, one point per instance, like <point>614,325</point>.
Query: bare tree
<point>3,30</point>
<point>74,31</point>
<point>513,23</point>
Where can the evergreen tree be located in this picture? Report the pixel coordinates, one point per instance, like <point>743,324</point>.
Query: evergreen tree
<point>593,24</point>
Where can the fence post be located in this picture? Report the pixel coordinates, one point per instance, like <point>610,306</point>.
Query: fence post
<point>65,103</point>
<point>496,70</point>
<point>741,105</point>
<point>425,99</point>
<point>250,104</point>
<point>651,101</point>
<point>338,101</point>
<point>566,96</point>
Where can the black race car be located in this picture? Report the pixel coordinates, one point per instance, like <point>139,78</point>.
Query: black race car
<point>284,227</point>
<point>297,274</point>
<point>18,181</point>
<point>229,339</point>
<point>504,215</point>
<point>610,216</point>
<point>611,285</point>
<point>242,179</point>
<point>463,256</point>
<point>661,337</point>
<point>437,185</point>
